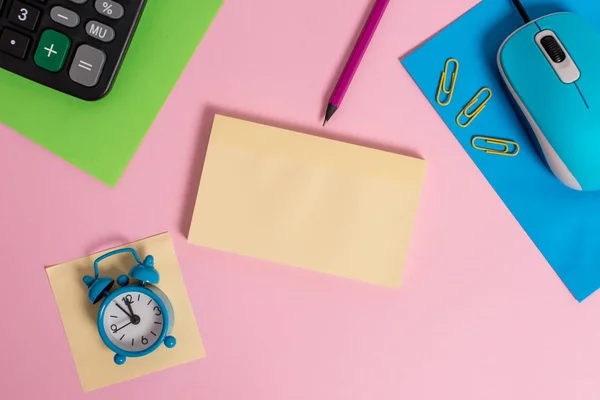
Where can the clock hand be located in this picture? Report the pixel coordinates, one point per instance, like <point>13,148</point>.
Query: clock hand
<point>128,303</point>
<point>123,327</point>
<point>122,309</point>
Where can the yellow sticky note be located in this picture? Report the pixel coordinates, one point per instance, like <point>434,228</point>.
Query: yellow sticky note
<point>307,202</point>
<point>93,360</point>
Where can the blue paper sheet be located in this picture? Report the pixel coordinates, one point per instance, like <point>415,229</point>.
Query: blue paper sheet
<point>564,224</point>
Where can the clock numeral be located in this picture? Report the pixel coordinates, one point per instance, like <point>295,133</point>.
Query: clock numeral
<point>138,297</point>
<point>113,316</point>
<point>157,309</point>
<point>132,340</point>
<point>114,328</point>
<point>149,302</point>
<point>144,340</point>
<point>127,299</point>
<point>158,323</point>
<point>121,338</point>
<point>153,333</point>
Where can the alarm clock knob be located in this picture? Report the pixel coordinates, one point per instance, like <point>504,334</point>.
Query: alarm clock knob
<point>88,280</point>
<point>145,272</point>
<point>119,359</point>
<point>97,287</point>
<point>149,261</point>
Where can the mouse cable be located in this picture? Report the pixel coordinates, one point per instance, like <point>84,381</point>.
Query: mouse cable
<point>522,11</point>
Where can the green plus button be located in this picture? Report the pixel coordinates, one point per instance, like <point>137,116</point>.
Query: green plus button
<point>52,50</point>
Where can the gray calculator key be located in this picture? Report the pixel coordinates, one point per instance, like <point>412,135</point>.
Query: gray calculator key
<point>64,17</point>
<point>100,31</point>
<point>78,1</point>
<point>109,8</point>
<point>87,65</point>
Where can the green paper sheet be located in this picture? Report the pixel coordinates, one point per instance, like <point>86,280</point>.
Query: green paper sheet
<point>101,137</point>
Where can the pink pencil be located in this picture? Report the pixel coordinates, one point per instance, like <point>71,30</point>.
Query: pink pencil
<point>355,58</point>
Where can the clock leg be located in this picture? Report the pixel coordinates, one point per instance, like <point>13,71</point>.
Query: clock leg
<point>119,359</point>
<point>170,341</point>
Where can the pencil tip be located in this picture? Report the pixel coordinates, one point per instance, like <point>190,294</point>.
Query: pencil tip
<point>331,109</point>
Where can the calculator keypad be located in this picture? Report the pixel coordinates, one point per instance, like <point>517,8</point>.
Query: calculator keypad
<point>74,46</point>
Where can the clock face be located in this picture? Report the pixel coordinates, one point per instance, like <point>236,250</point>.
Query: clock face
<point>133,321</point>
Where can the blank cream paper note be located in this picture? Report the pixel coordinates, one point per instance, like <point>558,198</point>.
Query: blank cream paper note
<point>93,360</point>
<point>306,201</point>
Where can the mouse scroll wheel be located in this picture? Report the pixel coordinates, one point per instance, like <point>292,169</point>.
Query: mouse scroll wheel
<point>552,47</point>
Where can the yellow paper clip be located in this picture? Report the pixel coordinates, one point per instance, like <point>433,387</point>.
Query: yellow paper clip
<point>506,146</point>
<point>472,115</point>
<point>444,82</point>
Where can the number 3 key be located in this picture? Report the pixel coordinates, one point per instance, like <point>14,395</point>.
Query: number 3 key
<point>24,15</point>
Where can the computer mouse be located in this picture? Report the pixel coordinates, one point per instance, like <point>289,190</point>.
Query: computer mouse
<point>551,66</point>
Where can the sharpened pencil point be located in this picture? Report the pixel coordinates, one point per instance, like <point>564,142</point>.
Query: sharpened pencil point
<point>331,109</point>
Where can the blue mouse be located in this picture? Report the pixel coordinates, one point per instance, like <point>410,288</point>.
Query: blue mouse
<point>551,66</point>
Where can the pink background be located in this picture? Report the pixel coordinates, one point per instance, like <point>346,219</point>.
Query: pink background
<point>480,315</point>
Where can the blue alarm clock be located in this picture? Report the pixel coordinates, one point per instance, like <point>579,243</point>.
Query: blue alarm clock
<point>134,320</point>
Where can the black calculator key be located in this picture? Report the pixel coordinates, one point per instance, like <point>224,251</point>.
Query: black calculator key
<point>78,1</point>
<point>14,43</point>
<point>24,15</point>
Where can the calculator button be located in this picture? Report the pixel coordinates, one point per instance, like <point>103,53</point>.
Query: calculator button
<point>24,15</point>
<point>52,50</point>
<point>109,8</point>
<point>78,1</point>
<point>99,31</point>
<point>87,65</point>
<point>64,17</point>
<point>14,43</point>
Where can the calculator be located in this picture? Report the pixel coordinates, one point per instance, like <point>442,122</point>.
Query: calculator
<point>73,46</point>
